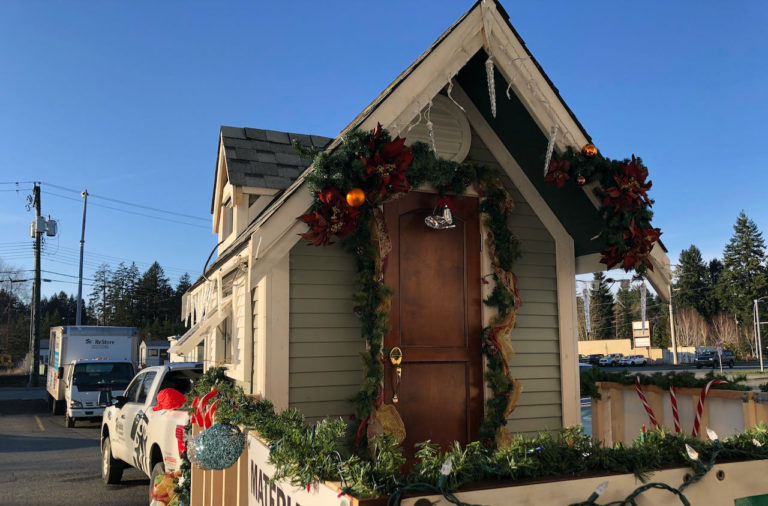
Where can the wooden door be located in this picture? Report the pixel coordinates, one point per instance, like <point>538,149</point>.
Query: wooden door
<point>435,320</point>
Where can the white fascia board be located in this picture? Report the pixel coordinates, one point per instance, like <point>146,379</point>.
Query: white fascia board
<point>218,184</point>
<point>255,190</point>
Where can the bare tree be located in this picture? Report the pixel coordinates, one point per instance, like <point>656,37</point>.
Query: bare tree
<point>691,328</point>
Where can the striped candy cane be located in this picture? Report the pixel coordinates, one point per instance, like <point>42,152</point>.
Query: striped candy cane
<point>673,399</point>
<point>645,403</point>
<point>700,407</point>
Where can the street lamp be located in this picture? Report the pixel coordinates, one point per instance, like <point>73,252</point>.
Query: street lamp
<point>758,336</point>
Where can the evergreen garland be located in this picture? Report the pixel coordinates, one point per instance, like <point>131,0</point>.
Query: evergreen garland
<point>625,209</point>
<point>686,379</point>
<point>304,455</point>
<point>354,164</point>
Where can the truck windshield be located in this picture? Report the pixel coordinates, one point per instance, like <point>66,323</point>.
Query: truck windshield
<point>102,376</point>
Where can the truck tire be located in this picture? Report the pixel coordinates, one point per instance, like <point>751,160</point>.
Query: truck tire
<point>111,468</point>
<point>58,407</point>
<point>69,421</point>
<point>157,470</point>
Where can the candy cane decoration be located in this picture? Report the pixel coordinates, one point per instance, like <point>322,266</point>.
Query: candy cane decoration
<point>648,409</point>
<point>673,399</point>
<point>700,407</point>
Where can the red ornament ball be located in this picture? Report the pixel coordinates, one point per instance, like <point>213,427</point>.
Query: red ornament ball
<point>355,197</point>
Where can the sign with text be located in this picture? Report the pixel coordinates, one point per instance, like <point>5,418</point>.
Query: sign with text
<point>281,493</point>
<point>641,334</point>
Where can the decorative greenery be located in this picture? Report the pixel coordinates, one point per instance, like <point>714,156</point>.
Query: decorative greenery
<point>385,168</point>
<point>303,455</point>
<point>590,378</point>
<point>626,207</point>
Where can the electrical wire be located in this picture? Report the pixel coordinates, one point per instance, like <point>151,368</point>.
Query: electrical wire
<point>165,219</point>
<point>109,199</point>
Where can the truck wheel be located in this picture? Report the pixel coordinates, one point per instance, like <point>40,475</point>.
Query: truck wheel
<point>56,407</point>
<point>157,470</point>
<point>111,468</point>
<point>69,421</point>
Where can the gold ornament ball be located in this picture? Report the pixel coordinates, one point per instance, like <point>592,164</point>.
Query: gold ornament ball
<point>355,197</point>
<point>580,180</point>
<point>589,150</point>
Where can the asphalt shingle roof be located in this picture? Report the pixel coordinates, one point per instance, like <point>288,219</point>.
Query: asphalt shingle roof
<point>265,158</point>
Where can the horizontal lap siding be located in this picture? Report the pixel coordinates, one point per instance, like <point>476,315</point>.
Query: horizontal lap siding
<point>535,337</point>
<point>325,344</point>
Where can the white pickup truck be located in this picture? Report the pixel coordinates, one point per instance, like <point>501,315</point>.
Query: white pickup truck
<point>133,434</point>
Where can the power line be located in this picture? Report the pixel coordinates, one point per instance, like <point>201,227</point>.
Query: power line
<point>109,199</point>
<point>132,212</point>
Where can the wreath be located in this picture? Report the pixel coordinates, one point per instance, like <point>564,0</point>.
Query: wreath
<point>349,186</point>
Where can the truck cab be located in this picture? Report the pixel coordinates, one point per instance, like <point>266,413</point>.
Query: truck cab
<point>134,434</point>
<point>89,384</point>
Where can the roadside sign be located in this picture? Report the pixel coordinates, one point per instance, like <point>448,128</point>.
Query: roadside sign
<point>641,334</point>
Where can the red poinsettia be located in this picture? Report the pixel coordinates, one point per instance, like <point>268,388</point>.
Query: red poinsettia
<point>631,190</point>
<point>638,243</point>
<point>558,173</point>
<point>387,164</point>
<point>335,217</point>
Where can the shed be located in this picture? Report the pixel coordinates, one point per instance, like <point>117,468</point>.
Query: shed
<point>280,313</point>
<point>153,352</point>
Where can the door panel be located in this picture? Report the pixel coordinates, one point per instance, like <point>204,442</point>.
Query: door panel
<point>435,320</point>
<point>431,259</point>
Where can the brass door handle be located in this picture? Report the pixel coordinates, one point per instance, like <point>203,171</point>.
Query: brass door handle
<point>396,357</point>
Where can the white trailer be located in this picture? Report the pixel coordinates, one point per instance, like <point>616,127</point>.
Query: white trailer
<point>87,365</point>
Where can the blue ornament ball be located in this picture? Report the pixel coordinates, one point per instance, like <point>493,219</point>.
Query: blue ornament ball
<point>191,441</point>
<point>220,446</point>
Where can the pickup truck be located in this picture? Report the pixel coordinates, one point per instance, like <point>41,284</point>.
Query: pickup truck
<point>133,434</point>
<point>710,359</point>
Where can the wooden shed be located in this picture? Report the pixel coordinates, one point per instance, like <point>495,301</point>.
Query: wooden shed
<point>279,313</point>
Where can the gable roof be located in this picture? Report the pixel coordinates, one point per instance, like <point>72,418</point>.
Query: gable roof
<point>462,46</point>
<point>264,158</point>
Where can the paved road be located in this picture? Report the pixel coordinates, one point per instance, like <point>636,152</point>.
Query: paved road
<point>44,463</point>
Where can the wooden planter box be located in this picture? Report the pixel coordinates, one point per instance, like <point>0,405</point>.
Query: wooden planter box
<point>246,484</point>
<point>618,416</point>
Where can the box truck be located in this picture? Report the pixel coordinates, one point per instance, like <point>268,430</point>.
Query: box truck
<point>87,366</point>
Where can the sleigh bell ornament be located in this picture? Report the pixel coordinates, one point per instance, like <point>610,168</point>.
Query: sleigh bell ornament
<point>441,219</point>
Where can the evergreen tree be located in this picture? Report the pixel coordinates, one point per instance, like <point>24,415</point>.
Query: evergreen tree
<point>582,320</point>
<point>660,337</point>
<point>744,275</point>
<point>156,300</point>
<point>627,310</point>
<point>692,288</point>
<point>601,309</point>
<point>97,301</point>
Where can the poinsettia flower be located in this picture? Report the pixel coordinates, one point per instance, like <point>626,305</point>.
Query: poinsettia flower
<point>558,173</point>
<point>386,164</point>
<point>631,190</point>
<point>333,218</point>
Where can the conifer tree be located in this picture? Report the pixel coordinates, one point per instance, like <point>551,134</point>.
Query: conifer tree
<point>692,288</point>
<point>744,276</point>
<point>602,325</point>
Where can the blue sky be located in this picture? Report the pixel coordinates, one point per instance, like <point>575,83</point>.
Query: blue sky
<point>126,99</point>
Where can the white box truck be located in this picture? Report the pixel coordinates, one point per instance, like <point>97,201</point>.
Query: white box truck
<point>87,366</point>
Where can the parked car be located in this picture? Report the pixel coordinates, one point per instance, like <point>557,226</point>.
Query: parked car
<point>593,359</point>
<point>611,360</point>
<point>135,434</point>
<point>633,360</point>
<point>710,359</point>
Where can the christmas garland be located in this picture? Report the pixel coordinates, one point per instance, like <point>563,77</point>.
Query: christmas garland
<point>626,207</point>
<point>305,455</point>
<point>684,379</point>
<point>350,185</point>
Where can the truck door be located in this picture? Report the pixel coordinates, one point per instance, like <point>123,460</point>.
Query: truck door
<point>127,415</point>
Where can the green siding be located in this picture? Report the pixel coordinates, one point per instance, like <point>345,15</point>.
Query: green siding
<point>535,337</point>
<point>325,369</point>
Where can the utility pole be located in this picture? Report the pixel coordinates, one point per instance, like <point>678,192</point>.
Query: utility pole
<point>672,329</point>
<point>80,276</point>
<point>34,373</point>
<point>759,336</point>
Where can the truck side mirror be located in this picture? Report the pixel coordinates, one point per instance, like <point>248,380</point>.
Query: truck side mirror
<point>60,373</point>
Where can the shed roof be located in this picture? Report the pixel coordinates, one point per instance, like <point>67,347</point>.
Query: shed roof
<point>264,158</point>
<point>158,343</point>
